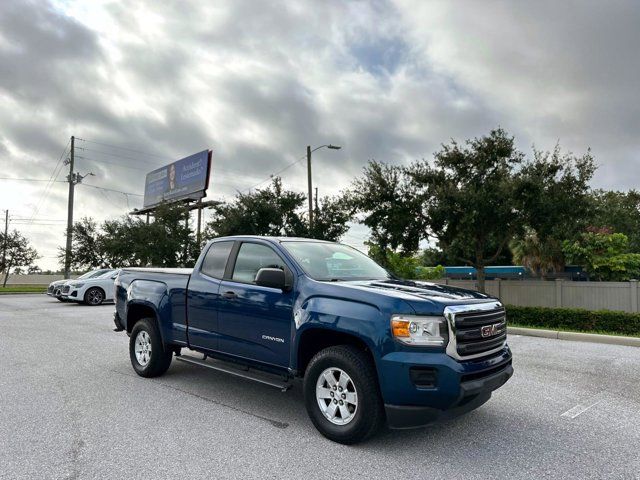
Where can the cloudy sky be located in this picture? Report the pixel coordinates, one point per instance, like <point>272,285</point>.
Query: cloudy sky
<point>146,82</point>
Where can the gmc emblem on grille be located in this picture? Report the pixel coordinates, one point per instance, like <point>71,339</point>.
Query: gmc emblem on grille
<point>489,330</point>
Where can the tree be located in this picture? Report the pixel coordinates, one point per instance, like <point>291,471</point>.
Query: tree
<point>123,243</point>
<point>604,255</point>
<point>403,265</point>
<point>269,211</point>
<point>17,252</point>
<point>386,201</point>
<point>86,250</point>
<point>469,198</point>
<point>539,256</point>
<point>276,211</point>
<point>167,241</point>
<point>619,211</point>
<point>554,197</point>
<point>330,219</point>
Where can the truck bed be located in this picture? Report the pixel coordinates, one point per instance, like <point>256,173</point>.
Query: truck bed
<point>176,271</point>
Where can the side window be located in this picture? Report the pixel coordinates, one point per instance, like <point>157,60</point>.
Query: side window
<point>215,260</point>
<point>251,258</point>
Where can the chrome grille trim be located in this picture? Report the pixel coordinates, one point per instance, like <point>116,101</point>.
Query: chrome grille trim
<point>481,309</point>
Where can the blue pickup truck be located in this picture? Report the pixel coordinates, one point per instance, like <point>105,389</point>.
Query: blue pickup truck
<point>371,348</point>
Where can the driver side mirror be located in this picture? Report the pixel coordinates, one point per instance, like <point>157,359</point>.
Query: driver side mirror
<point>271,277</point>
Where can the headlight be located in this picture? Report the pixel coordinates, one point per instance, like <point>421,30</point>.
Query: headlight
<point>420,331</point>
<point>77,285</point>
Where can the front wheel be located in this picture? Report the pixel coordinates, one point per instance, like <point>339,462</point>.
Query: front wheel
<point>342,396</point>
<point>94,296</point>
<point>149,357</point>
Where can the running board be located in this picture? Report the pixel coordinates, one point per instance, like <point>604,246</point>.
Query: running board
<point>281,385</point>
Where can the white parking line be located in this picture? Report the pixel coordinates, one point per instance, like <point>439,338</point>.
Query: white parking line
<point>578,410</point>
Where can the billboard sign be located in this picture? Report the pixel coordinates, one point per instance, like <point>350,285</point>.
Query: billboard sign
<point>187,178</point>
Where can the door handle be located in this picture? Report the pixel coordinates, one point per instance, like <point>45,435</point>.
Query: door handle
<point>230,295</point>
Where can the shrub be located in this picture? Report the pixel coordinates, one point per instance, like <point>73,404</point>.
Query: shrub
<point>608,321</point>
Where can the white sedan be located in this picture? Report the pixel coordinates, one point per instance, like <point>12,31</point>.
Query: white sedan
<point>92,291</point>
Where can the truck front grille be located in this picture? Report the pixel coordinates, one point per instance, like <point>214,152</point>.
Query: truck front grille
<point>476,330</point>
<point>480,332</point>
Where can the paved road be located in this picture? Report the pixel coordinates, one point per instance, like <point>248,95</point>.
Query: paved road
<point>71,407</point>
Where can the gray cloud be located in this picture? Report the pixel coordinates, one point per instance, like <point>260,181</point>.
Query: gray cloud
<point>257,82</point>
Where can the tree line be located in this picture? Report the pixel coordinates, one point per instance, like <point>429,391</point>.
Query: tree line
<point>17,253</point>
<point>478,203</point>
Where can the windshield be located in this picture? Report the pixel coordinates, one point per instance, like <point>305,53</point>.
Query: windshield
<point>334,262</point>
<point>94,273</point>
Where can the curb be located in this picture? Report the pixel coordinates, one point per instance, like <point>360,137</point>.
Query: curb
<point>575,336</point>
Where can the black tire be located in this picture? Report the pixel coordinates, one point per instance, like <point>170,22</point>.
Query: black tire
<point>369,414</point>
<point>94,296</point>
<point>161,355</point>
<point>60,299</point>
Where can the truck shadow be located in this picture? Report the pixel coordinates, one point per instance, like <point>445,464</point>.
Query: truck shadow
<point>286,410</point>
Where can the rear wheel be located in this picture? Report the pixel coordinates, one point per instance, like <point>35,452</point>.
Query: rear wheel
<point>94,296</point>
<point>342,395</point>
<point>149,357</point>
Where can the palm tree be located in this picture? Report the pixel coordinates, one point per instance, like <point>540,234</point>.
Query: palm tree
<point>541,257</point>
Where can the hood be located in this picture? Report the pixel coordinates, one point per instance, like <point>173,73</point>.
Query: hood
<point>58,282</point>
<point>424,297</point>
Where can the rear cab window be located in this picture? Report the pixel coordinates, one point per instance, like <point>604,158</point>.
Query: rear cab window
<point>215,261</point>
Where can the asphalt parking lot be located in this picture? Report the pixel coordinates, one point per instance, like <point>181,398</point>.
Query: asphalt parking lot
<point>72,407</point>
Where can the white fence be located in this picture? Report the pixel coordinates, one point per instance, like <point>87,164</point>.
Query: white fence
<point>622,296</point>
<point>32,279</point>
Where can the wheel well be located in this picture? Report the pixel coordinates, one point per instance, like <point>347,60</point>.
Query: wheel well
<point>99,288</point>
<point>314,340</point>
<point>138,312</point>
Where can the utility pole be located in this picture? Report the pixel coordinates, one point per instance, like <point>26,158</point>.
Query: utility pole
<point>72,184</point>
<point>317,199</point>
<point>6,239</point>
<point>310,186</point>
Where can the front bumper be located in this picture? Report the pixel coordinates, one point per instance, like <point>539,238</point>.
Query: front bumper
<point>451,388</point>
<point>72,295</point>
<point>473,394</point>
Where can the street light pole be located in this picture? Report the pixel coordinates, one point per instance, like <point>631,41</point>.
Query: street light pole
<point>309,182</point>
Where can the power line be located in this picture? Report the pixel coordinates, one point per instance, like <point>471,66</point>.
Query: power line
<point>124,148</point>
<point>52,178</point>
<point>111,163</point>
<point>111,190</point>
<point>138,159</point>
<point>276,173</point>
<point>22,220</point>
<point>29,179</point>
<point>217,169</point>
